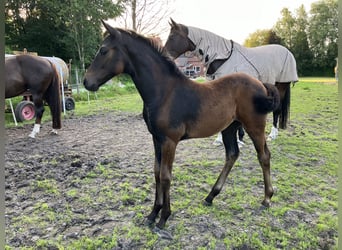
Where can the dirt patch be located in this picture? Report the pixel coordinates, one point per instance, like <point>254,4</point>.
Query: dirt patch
<point>42,175</point>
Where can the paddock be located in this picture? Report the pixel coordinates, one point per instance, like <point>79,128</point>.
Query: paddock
<point>93,182</point>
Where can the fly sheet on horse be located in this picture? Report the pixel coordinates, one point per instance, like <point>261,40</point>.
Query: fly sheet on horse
<point>269,63</point>
<point>272,64</point>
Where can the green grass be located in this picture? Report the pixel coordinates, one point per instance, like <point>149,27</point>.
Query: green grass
<point>110,97</point>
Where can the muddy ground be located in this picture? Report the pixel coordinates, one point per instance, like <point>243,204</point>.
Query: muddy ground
<point>82,144</point>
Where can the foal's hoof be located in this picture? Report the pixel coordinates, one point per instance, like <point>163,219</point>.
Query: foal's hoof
<point>163,234</point>
<point>207,203</point>
<point>148,222</point>
<point>260,210</point>
<point>265,205</point>
<point>263,208</point>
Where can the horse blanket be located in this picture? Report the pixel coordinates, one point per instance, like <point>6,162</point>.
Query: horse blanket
<point>61,66</point>
<point>269,63</point>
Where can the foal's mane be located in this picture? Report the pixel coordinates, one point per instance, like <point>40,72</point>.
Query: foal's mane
<point>157,48</point>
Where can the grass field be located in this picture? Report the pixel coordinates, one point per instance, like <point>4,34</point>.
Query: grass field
<point>304,171</point>
<point>113,98</point>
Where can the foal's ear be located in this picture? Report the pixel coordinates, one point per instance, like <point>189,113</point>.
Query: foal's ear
<point>112,31</point>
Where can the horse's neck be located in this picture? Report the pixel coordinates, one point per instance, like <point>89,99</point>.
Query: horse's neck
<point>212,46</point>
<point>148,72</point>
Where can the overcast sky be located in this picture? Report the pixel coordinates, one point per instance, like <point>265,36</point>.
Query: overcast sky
<point>233,19</point>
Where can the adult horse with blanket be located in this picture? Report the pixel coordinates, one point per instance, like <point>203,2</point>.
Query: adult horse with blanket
<point>176,108</point>
<point>273,64</point>
<point>39,76</point>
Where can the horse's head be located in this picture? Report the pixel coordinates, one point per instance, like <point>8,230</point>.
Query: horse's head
<point>178,41</point>
<point>110,60</point>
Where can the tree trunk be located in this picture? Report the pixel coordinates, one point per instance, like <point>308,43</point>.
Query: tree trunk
<point>134,15</point>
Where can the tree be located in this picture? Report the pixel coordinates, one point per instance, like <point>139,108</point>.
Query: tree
<point>262,37</point>
<point>284,28</point>
<point>323,34</point>
<point>300,46</point>
<point>31,25</point>
<point>83,19</point>
<point>146,16</point>
<point>65,28</point>
<point>312,38</point>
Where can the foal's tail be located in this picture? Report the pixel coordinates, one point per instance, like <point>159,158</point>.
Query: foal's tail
<point>53,98</point>
<point>265,104</point>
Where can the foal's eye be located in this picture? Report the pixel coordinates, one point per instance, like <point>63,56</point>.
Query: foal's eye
<point>103,51</point>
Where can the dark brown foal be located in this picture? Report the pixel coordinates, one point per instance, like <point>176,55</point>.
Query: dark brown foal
<point>176,108</point>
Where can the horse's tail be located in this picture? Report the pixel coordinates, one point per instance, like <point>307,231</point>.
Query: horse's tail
<point>285,108</point>
<point>53,98</point>
<point>265,104</point>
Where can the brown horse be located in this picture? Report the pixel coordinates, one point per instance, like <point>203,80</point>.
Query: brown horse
<point>39,76</point>
<point>273,64</point>
<point>176,108</point>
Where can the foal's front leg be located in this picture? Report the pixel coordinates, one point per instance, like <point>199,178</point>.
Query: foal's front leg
<point>168,150</point>
<point>163,174</point>
<point>158,201</point>
<point>164,156</point>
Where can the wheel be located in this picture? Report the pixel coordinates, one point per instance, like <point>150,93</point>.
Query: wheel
<point>25,111</point>
<point>69,103</point>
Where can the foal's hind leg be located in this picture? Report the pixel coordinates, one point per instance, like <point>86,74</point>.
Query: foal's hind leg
<point>257,134</point>
<point>232,153</point>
